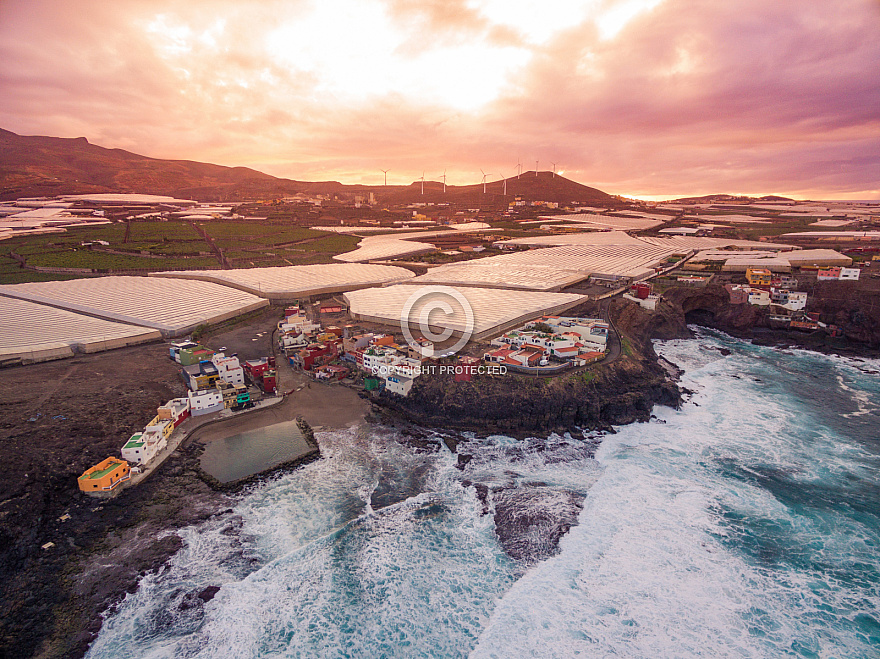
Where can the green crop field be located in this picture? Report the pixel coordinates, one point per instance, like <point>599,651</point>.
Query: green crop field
<point>269,234</point>
<point>102,261</point>
<point>12,273</point>
<point>160,245</point>
<point>26,276</point>
<point>112,233</point>
<point>331,243</point>
<point>162,248</point>
<point>171,230</point>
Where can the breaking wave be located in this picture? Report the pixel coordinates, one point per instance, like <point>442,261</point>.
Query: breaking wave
<point>744,524</point>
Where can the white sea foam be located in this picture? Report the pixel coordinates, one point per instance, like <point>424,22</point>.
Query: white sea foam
<point>655,568</point>
<point>743,525</point>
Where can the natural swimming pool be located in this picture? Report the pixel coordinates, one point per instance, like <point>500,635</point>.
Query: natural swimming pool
<point>247,453</point>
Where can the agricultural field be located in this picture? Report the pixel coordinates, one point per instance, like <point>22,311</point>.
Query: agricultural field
<point>183,248</point>
<point>11,272</point>
<point>162,231</point>
<point>103,261</point>
<point>329,243</point>
<point>267,234</point>
<point>441,258</point>
<point>167,245</point>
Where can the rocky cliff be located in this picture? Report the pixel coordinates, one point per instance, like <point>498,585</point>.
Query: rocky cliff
<point>625,387</point>
<point>622,389</point>
<point>852,306</point>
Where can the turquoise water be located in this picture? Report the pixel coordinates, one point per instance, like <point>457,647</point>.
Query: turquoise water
<point>746,524</point>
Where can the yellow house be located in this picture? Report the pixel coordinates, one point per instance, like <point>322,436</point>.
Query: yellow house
<point>759,276</point>
<point>165,426</point>
<point>105,476</point>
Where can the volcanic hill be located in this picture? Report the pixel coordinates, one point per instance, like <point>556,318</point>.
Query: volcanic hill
<point>39,166</point>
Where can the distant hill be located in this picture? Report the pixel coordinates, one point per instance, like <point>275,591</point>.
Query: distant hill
<point>545,186</point>
<point>727,198</point>
<point>44,166</point>
<point>35,166</point>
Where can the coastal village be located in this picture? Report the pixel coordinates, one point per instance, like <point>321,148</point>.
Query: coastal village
<point>520,264</point>
<point>373,361</point>
<point>267,310</point>
<point>377,362</point>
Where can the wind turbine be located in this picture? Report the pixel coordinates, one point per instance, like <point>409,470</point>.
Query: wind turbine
<point>518,167</point>
<point>554,169</point>
<point>423,182</point>
<point>536,169</point>
<point>484,181</point>
<point>385,171</point>
<point>444,181</point>
<point>503,178</point>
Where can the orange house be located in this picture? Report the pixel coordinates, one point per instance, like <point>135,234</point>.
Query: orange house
<point>759,276</point>
<point>105,476</point>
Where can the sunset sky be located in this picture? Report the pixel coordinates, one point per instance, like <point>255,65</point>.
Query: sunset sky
<point>648,98</point>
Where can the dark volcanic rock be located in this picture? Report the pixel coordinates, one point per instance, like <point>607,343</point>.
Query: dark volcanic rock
<point>207,594</point>
<point>849,305</point>
<point>395,485</point>
<point>529,521</point>
<point>621,390</point>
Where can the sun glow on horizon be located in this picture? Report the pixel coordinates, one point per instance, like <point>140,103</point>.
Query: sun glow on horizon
<point>365,55</point>
<point>349,52</point>
<point>640,95</point>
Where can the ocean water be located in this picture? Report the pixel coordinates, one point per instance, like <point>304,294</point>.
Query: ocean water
<point>746,524</point>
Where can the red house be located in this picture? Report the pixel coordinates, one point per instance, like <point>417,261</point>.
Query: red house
<point>254,368</point>
<point>268,381</point>
<point>466,368</point>
<point>641,290</point>
<point>316,354</point>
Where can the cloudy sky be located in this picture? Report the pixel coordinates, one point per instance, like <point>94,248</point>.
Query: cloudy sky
<point>649,98</point>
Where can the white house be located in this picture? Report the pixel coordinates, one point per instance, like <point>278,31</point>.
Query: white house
<point>293,341</point>
<point>849,274</point>
<point>797,300</point>
<point>298,324</point>
<point>398,384</point>
<point>143,446</point>
<point>135,449</point>
<point>406,367</point>
<point>791,300</point>
<point>205,401</point>
<point>228,368</point>
<point>589,329</point>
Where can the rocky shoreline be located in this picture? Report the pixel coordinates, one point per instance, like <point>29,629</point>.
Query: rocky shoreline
<point>623,390</point>
<point>54,599</point>
<point>615,392</point>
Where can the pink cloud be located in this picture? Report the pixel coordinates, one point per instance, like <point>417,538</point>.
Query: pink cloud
<point>690,97</point>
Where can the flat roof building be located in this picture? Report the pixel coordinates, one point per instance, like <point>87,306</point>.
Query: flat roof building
<point>294,282</point>
<point>172,306</point>
<point>31,332</point>
<point>105,477</point>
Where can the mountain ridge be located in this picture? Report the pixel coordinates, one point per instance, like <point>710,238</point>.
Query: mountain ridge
<point>38,165</point>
